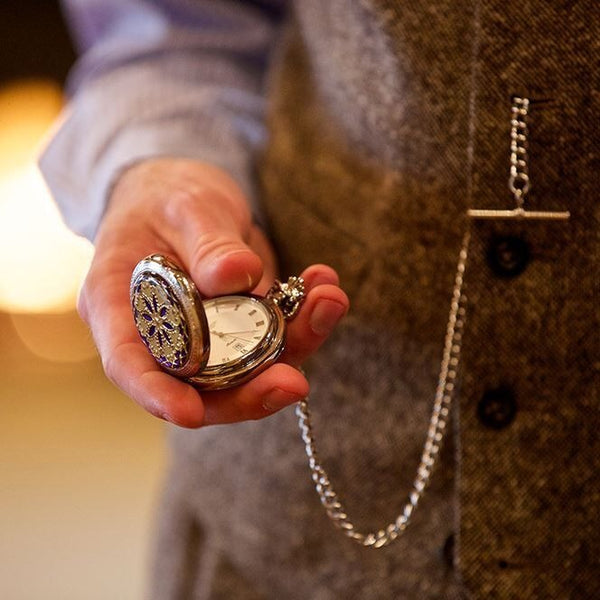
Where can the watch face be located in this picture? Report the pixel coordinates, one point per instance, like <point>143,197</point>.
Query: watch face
<point>247,334</point>
<point>237,325</point>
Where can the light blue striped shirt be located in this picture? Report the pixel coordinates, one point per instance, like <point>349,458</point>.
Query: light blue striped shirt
<point>165,78</point>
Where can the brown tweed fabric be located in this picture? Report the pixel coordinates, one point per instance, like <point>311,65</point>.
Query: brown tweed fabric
<point>389,119</point>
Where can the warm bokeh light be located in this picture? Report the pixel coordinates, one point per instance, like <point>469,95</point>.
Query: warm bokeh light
<point>59,338</point>
<point>42,262</point>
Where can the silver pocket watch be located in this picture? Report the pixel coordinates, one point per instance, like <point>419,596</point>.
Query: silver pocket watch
<point>216,343</point>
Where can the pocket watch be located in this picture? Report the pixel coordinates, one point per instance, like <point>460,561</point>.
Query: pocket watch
<point>215,343</point>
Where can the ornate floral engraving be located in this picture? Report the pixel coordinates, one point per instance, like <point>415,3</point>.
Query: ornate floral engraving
<point>160,321</point>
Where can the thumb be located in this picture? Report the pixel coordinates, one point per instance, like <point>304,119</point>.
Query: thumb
<point>216,255</point>
<point>208,224</point>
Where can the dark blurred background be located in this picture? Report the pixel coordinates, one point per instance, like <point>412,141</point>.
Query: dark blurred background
<point>35,41</point>
<point>79,463</point>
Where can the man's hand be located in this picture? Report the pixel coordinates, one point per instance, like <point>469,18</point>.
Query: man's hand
<point>195,214</point>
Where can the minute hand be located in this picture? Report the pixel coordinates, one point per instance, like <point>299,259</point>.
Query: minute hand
<point>236,337</point>
<point>236,332</point>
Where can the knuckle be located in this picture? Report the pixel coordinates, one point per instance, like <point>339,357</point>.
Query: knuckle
<point>204,207</point>
<point>182,205</point>
<point>212,244</point>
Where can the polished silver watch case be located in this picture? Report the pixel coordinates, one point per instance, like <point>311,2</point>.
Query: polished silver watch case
<point>170,318</point>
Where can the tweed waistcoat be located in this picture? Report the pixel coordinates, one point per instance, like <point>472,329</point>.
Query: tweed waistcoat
<point>388,121</point>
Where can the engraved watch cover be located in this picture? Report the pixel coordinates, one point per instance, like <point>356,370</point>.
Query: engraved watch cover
<point>169,316</point>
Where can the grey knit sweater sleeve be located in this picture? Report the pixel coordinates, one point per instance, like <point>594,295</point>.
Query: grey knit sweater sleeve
<point>173,77</point>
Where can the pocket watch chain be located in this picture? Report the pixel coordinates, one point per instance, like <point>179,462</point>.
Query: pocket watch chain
<point>438,425</point>
<point>518,184</point>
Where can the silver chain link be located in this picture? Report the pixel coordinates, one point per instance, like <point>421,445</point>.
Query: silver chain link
<point>435,433</point>
<point>519,169</point>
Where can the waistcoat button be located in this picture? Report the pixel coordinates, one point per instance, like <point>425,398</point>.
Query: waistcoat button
<point>497,408</point>
<point>508,256</point>
<point>448,550</point>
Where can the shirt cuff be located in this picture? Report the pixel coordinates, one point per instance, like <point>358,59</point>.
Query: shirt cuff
<point>203,140</point>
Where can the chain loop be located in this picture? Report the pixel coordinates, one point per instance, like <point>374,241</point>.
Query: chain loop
<point>288,296</point>
<point>435,433</point>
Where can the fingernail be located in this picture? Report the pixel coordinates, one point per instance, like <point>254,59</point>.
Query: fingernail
<point>239,268</point>
<point>240,282</point>
<point>325,316</point>
<point>278,399</point>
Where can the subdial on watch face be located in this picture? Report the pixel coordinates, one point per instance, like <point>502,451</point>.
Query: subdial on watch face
<point>237,325</point>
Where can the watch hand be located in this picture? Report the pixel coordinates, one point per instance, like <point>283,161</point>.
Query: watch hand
<point>237,337</point>
<point>222,334</point>
<point>236,332</point>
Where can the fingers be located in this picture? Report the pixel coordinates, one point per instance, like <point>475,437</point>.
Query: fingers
<point>128,365</point>
<point>104,303</point>
<point>323,308</point>
<point>277,387</point>
<point>282,384</point>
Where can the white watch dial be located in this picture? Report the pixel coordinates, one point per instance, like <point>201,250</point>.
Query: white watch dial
<point>237,325</point>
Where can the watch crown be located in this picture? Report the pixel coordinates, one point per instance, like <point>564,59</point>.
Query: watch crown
<point>288,296</point>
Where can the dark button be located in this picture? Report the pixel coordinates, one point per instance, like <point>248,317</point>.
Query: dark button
<point>508,256</point>
<point>448,550</point>
<point>497,408</point>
